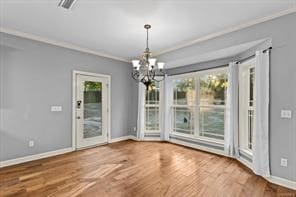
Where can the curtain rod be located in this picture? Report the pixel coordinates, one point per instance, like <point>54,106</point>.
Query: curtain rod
<point>250,57</point>
<point>221,66</point>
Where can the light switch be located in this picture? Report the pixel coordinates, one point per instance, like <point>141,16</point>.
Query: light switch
<point>56,108</point>
<point>284,162</point>
<point>31,143</point>
<point>286,114</point>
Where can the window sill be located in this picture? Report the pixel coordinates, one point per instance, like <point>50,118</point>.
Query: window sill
<point>201,139</point>
<point>151,131</point>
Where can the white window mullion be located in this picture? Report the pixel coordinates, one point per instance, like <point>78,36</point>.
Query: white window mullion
<point>196,109</point>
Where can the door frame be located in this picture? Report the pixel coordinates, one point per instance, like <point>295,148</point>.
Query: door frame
<point>74,88</point>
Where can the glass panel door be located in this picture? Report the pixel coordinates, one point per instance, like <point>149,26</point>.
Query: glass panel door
<point>91,110</point>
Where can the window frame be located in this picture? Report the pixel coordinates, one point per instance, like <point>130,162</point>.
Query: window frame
<point>244,106</point>
<point>196,111</point>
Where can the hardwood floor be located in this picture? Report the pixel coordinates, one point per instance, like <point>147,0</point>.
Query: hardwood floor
<point>132,168</point>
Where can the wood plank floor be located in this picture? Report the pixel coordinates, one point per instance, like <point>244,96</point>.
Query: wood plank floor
<point>132,168</point>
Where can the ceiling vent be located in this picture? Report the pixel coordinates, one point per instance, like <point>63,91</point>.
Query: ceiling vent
<point>67,4</point>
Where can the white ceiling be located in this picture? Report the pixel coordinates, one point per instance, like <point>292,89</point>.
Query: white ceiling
<point>115,27</point>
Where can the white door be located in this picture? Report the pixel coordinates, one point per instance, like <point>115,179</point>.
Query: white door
<point>91,110</point>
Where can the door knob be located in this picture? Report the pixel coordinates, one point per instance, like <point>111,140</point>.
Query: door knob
<point>78,117</point>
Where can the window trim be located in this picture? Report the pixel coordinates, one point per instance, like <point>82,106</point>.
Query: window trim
<point>243,135</point>
<point>160,107</point>
<point>202,138</point>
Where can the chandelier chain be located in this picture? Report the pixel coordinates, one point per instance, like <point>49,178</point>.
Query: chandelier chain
<point>147,47</point>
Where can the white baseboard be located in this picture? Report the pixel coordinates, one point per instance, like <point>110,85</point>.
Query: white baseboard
<point>51,153</point>
<point>118,139</point>
<point>132,137</point>
<point>34,157</point>
<point>245,162</point>
<point>135,138</point>
<point>272,179</point>
<point>151,139</point>
<point>282,182</point>
<point>146,139</point>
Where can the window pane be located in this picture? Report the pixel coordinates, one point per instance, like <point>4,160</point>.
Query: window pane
<point>211,122</point>
<point>213,89</point>
<point>184,91</point>
<point>183,120</point>
<point>152,118</point>
<point>252,80</point>
<point>152,95</point>
<point>250,127</point>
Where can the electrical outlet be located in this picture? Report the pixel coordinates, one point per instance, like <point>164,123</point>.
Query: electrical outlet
<point>31,143</point>
<point>135,128</point>
<point>56,108</point>
<point>284,162</point>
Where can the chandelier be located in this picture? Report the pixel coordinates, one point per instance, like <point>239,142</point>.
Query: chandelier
<point>147,70</point>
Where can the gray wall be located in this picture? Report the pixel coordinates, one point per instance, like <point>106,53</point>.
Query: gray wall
<point>282,31</point>
<point>34,76</point>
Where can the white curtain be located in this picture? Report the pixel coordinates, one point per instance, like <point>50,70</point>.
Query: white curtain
<point>141,111</point>
<point>168,91</point>
<point>231,123</point>
<point>261,131</point>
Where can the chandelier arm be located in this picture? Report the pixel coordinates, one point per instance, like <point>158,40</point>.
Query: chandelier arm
<point>147,74</point>
<point>159,80</point>
<point>152,74</point>
<point>134,76</point>
<point>161,74</point>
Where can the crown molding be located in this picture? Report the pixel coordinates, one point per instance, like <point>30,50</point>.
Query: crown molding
<point>58,43</point>
<point>228,30</point>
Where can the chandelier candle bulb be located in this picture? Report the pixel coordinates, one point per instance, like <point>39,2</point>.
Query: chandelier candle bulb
<point>147,70</point>
<point>160,65</point>
<point>136,64</point>
<point>152,61</point>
